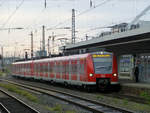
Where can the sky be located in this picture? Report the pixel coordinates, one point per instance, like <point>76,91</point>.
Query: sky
<point>31,15</point>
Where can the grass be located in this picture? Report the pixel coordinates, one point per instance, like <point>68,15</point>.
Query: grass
<point>115,100</point>
<point>146,96</point>
<point>57,108</point>
<point>125,101</point>
<point>5,72</point>
<point>19,91</point>
<point>99,97</point>
<point>1,73</point>
<point>141,107</point>
<point>70,112</point>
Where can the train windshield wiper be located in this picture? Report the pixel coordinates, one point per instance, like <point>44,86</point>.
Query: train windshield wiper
<point>99,67</point>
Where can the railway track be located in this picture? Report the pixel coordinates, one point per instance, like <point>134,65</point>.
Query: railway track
<point>108,94</point>
<point>94,106</point>
<point>128,97</point>
<point>11,104</point>
<point>3,109</point>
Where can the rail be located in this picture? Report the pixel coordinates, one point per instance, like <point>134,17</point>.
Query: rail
<point>88,104</point>
<point>3,109</point>
<point>20,101</point>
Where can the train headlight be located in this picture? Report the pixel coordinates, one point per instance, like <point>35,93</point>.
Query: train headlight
<point>90,74</point>
<point>114,74</point>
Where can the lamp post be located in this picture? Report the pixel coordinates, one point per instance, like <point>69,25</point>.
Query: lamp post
<point>49,38</point>
<point>2,62</point>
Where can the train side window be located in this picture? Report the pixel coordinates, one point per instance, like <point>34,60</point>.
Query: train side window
<point>82,68</point>
<point>54,70</point>
<point>57,68</point>
<point>63,67</point>
<point>41,70</point>
<point>27,69</point>
<point>43,67</point>
<point>46,66</point>
<point>51,67</point>
<point>69,67</point>
<point>37,67</point>
<point>34,68</point>
<point>19,68</point>
<point>74,67</point>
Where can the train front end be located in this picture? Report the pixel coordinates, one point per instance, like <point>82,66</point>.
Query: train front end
<point>103,70</point>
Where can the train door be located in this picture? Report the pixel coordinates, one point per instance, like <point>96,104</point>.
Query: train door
<point>67,70</point>
<point>32,69</point>
<point>51,69</point>
<point>57,70</point>
<point>36,69</point>
<point>78,70</point>
<point>74,70</point>
<point>48,73</point>
<point>41,70</point>
<point>63,70</point>
<point>46,70</point>
<point>144,68</point>
<point>82,70</point>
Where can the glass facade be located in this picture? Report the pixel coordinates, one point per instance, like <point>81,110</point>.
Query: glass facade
<point>144,68</point>
<point>126,62</point>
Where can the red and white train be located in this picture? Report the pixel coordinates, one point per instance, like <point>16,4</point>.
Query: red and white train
<point>91,69</point>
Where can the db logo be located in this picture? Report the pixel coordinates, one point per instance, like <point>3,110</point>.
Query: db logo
<point>103,75</point>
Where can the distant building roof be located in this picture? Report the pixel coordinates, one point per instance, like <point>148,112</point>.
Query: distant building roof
<point>119,25</point>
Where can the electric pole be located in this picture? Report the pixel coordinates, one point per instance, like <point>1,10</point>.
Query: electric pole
<point>49,45</point>
<point>2,59</point>
<point>31,45</point>
<point>53,39</point>
<point>43,41</point>
<point>73,26</point>
<point>86,36</point>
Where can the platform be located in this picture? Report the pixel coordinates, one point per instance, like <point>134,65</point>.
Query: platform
<point>132,88</point>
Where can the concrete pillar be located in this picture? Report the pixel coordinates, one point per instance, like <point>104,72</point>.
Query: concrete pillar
<point>118,63</point>
<point>132,67</point>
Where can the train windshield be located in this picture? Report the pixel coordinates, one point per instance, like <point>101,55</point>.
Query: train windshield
<point>102,64</point>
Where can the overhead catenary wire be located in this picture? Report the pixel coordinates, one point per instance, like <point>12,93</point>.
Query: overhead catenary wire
<point>36,18</point>
<point>2,2</point>
<point>100,4</point>
<point>13,13</point>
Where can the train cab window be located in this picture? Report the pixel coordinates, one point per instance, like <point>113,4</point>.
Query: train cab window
<point>102,64</point>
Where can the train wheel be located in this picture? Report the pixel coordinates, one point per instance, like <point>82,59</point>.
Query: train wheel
<point>65,84</point>
<point>87,88</point>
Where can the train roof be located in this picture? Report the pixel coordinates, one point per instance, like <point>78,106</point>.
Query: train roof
<point>79,56</point>
<point>55,58</point>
